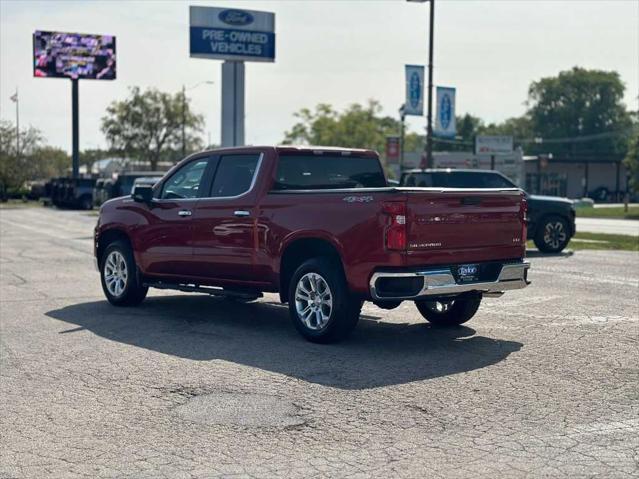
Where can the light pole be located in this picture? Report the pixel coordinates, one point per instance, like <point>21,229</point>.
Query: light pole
<point>402,133</point>
<point>429,126</point>
<point>184,90</point>
<point>16,100</point>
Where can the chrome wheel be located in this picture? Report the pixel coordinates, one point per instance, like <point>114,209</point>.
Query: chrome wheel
<point>313,301</point>
<point>115,273</point>
<point>555,234</point>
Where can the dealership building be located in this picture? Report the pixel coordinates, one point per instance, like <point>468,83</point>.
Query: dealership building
<point>604,179</point>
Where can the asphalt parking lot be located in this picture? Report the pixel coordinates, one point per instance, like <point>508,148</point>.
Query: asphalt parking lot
<point>542,382</point>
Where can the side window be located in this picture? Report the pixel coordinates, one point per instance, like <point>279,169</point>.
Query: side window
<point>185,182</point>
<point>494,180</point>
<point>234,175</point>
<point>422,180</point>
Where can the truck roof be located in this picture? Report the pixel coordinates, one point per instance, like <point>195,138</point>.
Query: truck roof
<point>307,149</point>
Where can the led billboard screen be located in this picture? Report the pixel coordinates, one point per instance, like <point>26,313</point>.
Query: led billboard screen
<point>73,55</point>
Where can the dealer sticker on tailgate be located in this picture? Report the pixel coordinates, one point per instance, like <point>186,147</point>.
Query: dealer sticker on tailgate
<point>467,272</point>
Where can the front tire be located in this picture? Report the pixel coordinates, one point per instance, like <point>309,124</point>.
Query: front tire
<point>320,305</point>
<point>86,203</point>
<point>552,235</point>
<point>454,312</point>
<point>118,275</point>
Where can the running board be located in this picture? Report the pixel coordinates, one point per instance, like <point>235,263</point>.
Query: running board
<point>212,290</point>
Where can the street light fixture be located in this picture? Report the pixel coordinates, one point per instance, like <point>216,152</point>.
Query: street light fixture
<point>429,127</point>
<point>184,90</point>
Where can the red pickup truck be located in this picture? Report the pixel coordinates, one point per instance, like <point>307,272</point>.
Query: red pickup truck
<point>320,226</point>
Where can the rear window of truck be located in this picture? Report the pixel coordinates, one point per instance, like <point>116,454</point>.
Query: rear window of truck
<point>320,172</point>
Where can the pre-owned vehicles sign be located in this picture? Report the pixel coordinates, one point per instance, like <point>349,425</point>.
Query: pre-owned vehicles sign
<point>232,34</point>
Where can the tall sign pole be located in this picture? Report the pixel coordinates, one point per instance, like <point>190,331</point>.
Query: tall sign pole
<point>429,132</point>
<point>232,103</point>
<point>428,147</point>
<point>75,128</point>
<point>402,135</point>
<point>183,121</point>
<point>235,36</point>
<point>16,100</point>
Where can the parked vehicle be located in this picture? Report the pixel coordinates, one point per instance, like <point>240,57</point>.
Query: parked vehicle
<point>145,180</point>
<point>99,192</point>
<point>318,225</point>
<point>551,220</point>
<point>123,184</point>
<point>37,190</point>
<point>72,192</point>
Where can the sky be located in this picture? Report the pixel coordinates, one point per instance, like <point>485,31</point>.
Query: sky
<point>338,52</point>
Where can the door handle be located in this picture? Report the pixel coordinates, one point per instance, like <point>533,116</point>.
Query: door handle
<point>184,213</point>
<point>242,213</point>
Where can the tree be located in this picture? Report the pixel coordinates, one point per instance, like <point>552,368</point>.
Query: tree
<point>468,126</point>
<point>47,162</point>
<point>359,126</point>
<point>35,161</point>
<point>580,103</point>
<point>15,167</point>
<point>148,124</point>
<point>520,128</point>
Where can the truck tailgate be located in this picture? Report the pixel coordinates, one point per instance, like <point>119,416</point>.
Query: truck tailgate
<point>464,219</point>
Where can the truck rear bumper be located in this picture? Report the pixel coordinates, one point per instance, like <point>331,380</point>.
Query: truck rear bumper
<point>440,281</point>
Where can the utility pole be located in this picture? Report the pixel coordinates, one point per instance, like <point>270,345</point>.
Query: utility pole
<point>428,147</point>
<point>402,134</point>
<point>16,100</point>
<point>183,121</point>
<point>429,139</point>
<point>75,128</point>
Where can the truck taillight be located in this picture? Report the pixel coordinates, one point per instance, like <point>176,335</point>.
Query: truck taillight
<point>396,230</point>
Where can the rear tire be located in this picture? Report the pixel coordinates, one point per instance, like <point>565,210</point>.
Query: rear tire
<point>552,235</point>
<point>119,277</point>
<point>86,203</point>
<point>450,313</point>
<point>320,305</point>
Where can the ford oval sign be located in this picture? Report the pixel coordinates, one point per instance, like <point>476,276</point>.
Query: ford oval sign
<point>445,119</point>
<point>415,90</point>
<point>236,18</point>
<point>445,111</point>
<point>414,103</point>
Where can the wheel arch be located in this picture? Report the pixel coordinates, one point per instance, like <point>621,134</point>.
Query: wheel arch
<point>541,220</point>
<point>302,249</point>
<point>109,236</point>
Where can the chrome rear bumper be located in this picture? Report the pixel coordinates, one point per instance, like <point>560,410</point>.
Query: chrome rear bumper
<point>441,282</point>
